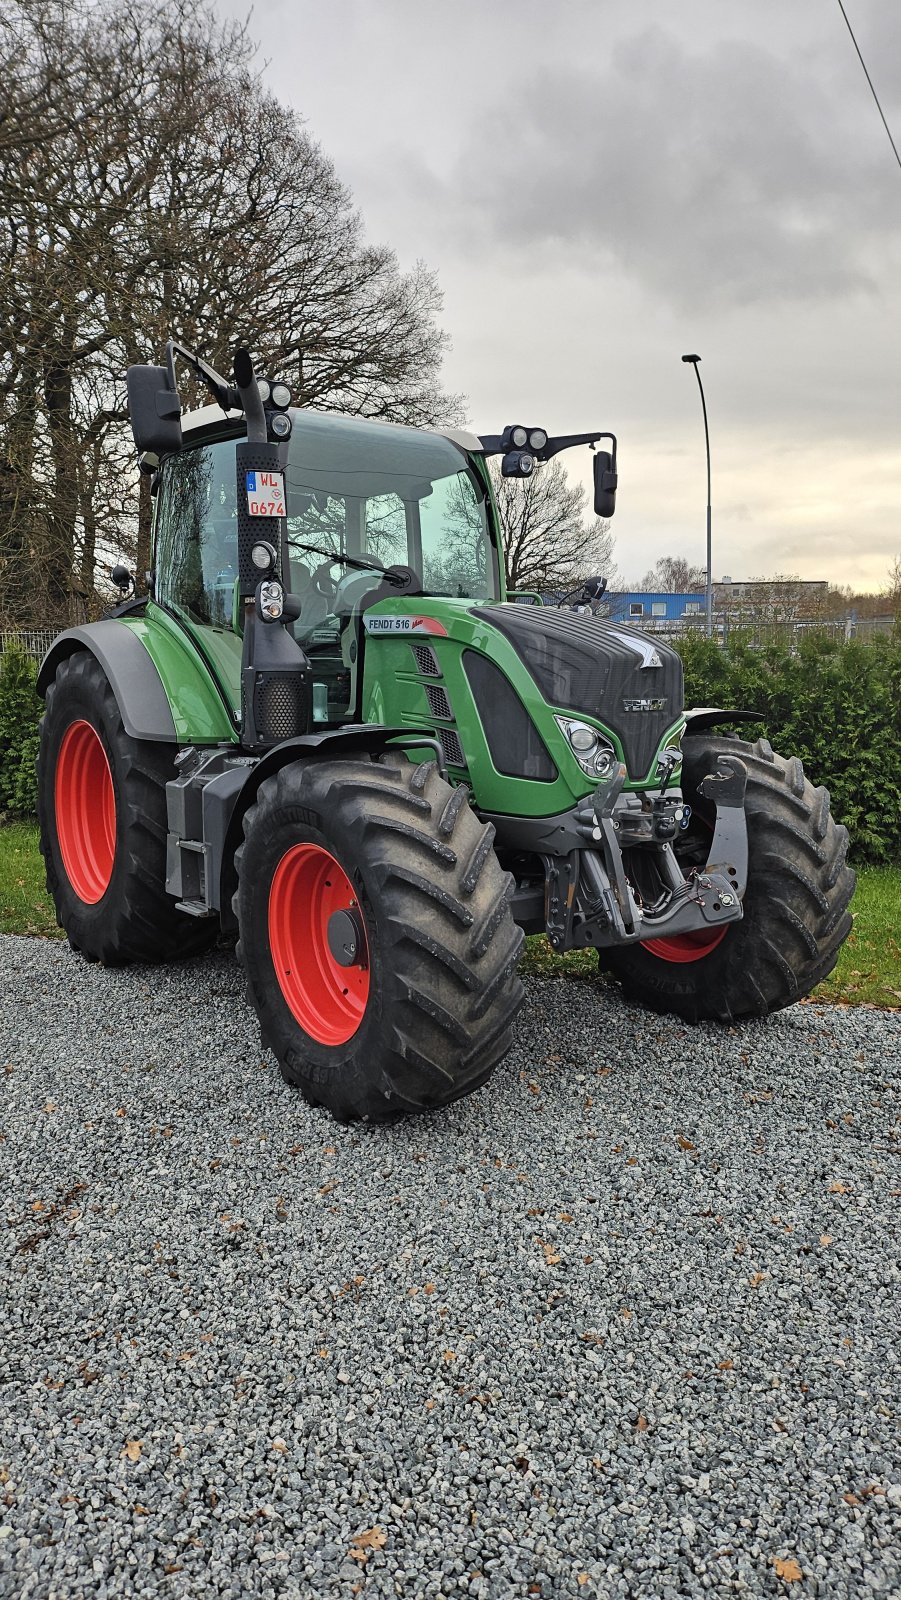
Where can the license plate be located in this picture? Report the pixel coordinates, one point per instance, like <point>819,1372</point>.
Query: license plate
<point>265,494</point>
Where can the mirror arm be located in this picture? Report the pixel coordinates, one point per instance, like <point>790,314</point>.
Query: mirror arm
<point>222,391</point>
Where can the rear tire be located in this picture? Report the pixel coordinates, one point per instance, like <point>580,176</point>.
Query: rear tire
<point>102,814</point>
<point>796,914</point>
<point>391,858</point>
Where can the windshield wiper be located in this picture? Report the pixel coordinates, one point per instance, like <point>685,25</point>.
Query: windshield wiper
<point>362,563</point>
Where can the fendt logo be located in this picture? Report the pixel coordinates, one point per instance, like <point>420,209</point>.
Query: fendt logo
<point>657,703</point>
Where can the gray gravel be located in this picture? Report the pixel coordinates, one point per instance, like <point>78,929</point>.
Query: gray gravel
<point>625,1323</point>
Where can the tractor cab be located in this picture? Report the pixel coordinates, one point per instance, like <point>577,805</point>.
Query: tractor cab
<point>360,497</point>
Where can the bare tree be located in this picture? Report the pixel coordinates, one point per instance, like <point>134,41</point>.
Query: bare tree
<point>894,583</point>
<point>550,540</point>
<point>149,185</point>
<point>674,575</point>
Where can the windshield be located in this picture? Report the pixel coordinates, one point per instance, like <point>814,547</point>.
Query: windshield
<point>361,488</point>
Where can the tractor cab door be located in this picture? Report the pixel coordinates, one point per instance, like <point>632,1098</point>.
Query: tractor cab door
<point>195,556</point>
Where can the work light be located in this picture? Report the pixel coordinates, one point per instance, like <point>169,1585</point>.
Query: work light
<point>281,395</point>
<point>263,556</point>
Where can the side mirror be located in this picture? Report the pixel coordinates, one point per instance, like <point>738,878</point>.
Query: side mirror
<point>154,409</point>
<point>592,589</point>
<point>604,483</point>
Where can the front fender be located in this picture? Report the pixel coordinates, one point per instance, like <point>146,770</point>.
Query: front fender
<point>136,683</point>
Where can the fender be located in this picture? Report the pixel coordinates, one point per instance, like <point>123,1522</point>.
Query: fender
<point>227,797</point>
<point>704,717</point>
<point>142,700</point>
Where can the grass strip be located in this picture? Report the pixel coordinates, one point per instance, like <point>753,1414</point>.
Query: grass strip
<point>868,970</point>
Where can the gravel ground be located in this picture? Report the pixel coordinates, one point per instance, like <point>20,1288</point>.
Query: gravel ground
<point>625,1323</point>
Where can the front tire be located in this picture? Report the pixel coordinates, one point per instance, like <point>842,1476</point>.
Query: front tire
<point>376,936</point>
<point>796,914</point>
<point>102,815</point>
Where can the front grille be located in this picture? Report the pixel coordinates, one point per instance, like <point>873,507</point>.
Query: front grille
<point>426,660</point>
<point>453,749</point>
<point>439,704</point>
<point>631,684</point>
<point>280,704</point>
<point>517,749</point>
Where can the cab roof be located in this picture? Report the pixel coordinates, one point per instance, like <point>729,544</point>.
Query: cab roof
<point>213,419</point>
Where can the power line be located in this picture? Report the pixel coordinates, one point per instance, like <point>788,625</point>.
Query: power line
<point>870,82</point>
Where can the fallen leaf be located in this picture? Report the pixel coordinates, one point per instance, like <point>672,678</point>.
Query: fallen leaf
<point>50,1106</point>
<point>851,1499</point>
<point>725,1366</point>
<point>787,1569</point>
<point>428,1288</point>
<point>323,1352</point>
<point>550,1254</point>
<point>449,1356</point>
<point>642,1424</point>
<point>825,1238</point>
<point>566,1216</point>
<point>625,1313</point>
<point>132,1449</point>
<point>280,1446</point>
<point>582,1578</point>
<point>38,1205</point>
<point>139,1511</point>
<point>121,1111</point>
<point>683,1143</point>
<point>372,1538</point>
<point>756,1279</point>
<point>839,1188</point>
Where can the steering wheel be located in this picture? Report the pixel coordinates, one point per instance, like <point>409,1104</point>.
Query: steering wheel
<point>323,583</point>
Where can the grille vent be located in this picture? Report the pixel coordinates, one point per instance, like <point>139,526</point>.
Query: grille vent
<point>453,749</point>
<point>426,660</point>
<point>439,704</point>
<point>279,705</point>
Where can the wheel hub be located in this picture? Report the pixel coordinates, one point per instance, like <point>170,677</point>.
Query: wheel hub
<point>347,938</point>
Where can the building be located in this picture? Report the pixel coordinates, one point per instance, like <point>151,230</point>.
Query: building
<point>650,610</point>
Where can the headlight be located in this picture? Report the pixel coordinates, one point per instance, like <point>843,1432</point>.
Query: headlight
<point>263,387</point>
<point>519,437</point>
<point>280,424</point>
<point>272,600</point>
<point>594,753</point>
<point>538,439</point>
<point>281,395</point>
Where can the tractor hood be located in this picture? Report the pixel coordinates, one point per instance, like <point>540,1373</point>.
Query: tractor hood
<point>624,679</point>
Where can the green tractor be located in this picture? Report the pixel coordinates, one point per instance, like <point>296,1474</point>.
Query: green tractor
<point>327,731</point>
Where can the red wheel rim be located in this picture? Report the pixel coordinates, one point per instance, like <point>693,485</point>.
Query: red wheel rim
<point>327,999</point>
<point>85,812</point>
<point>685,946</point>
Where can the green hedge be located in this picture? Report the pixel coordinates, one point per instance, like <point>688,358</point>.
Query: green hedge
<point>836,705</point>
<point>20,713</point>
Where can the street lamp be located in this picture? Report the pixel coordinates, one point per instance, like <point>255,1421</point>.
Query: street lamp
<point>694,360</point>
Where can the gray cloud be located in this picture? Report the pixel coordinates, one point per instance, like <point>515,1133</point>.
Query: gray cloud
<point>727,174</point>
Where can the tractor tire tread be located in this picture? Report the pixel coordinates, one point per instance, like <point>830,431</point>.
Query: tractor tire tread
<point>796,902</point>
<point>447,949</point>
<point>136,920</point>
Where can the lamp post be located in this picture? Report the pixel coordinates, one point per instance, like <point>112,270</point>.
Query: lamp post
<point>694,360</point>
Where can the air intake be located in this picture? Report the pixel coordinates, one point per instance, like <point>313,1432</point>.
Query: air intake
<point>426,660</point>
<point>439,704</point>
<point>453,749</point>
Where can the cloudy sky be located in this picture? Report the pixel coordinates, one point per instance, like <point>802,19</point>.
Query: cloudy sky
<point>603,185</point>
